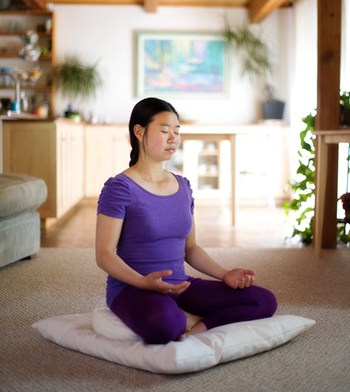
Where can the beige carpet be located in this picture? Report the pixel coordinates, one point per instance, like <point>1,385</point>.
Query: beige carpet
<point>65,281</point>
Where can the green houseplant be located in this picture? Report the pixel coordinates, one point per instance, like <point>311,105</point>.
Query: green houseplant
<point>256,62</point>
<point>75,79</point>
<point>303,188</point>
<point>254,52</point>
<point>345,108</point>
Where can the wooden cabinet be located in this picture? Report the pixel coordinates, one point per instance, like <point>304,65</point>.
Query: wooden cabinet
<point>262,165</point>
<point>260,161</point>
<point>13,27</point>
<point>73,159</point>
<point>49,150</point>
<point>209,166</point>
<point>69,164</point>
<point>243,163</point>
<point>107,153</point>
<point>206,163</point>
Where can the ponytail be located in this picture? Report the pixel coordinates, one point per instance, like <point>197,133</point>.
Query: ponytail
<point>135,150</point>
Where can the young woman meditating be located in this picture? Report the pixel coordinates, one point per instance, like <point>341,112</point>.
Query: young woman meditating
<point>146,233</point>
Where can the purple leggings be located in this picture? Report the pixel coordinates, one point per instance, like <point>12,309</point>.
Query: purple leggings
<point>158,318</point>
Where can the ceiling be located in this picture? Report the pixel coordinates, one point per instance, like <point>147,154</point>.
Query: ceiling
<point>257,9</point>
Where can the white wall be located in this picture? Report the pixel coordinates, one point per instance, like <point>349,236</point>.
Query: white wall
<point>106,34</point>
<point>345,47</point>
<point>304,80</point>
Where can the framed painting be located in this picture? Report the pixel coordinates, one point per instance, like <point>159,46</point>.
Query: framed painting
<point>181,64</point>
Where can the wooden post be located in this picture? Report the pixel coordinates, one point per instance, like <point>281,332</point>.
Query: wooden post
<point>328,109</point>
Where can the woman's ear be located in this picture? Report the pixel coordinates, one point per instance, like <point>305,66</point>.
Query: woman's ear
<point>139,132</point>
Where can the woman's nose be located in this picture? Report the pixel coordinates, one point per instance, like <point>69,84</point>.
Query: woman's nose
<point>171,137</point>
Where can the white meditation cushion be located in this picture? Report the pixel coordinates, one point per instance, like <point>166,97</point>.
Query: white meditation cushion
<point>103,335</point>
<point>107,324</point>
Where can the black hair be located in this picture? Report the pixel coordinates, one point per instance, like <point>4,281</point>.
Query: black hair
<point>142,114</point>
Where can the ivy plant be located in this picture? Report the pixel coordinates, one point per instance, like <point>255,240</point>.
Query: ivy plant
<point>302,203</point>
<point>303,187</point>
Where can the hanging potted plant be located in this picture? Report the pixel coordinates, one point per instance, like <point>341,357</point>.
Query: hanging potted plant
<point>345,108</point>
<point>256,63</point>
<point>76,79</point>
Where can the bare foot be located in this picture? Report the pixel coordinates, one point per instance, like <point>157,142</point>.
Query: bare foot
<point>193,325</point>
<point>197,328</point>
<point>191,320</point>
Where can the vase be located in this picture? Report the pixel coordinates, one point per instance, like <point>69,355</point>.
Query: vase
<point>273,109</point>
<point>344,115</point>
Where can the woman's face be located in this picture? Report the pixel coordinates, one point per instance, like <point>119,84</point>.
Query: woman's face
<point>162,137</point>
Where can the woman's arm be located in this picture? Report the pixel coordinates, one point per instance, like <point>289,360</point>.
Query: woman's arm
<point>107,236</point>
<point>199,259</point>
<point>108,231</point>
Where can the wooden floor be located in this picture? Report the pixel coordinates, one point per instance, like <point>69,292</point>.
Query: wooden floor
<point>256,227</point>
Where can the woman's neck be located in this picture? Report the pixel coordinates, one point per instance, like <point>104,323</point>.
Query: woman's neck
<point>150,172</point>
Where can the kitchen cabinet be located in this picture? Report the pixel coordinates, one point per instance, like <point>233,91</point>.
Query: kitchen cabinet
<point>209,166</point>
<point>263,166</point>
<point>53,151</point>
<point>74,159</point>
<point>69,164</point>
<point>107,153</point>
<point>13,27</point>
<point>206,163</point>
<point>225,164</point>
<point>260,162</point>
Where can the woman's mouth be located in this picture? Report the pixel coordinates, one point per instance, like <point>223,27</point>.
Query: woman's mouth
<point>171,149</point>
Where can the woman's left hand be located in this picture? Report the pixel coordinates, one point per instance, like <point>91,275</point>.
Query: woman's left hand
<point>239,278</point>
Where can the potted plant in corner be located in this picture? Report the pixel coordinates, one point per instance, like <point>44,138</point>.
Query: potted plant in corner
<point>256,63</point>
<point>273,108</point>
<point>76,79</point>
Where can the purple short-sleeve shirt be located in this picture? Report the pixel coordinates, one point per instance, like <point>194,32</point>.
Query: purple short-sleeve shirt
<point>154,229</point>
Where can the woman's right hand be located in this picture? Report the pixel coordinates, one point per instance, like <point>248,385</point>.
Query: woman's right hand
<point>154,282</point>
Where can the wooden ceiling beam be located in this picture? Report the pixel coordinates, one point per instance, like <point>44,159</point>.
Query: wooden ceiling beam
<point>259,9</point>
<point>35,4</point>
<point>184,3</point>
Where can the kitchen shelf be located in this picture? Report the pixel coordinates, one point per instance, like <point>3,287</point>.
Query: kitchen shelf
<point>200,161</point>
<point>14,26</point>
<point>28,87</point>
<point>208,175</point>
<point>207,153</point>
<point>26,12</point>
<point>47,57</point>
<point>22,33</point>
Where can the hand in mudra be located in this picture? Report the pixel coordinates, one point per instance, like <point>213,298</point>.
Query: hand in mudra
<point>239,278</point>
<point>153,281</point>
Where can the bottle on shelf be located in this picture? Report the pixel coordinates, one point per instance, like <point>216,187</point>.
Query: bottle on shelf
<point>27,35</point>
<point>24,102</point>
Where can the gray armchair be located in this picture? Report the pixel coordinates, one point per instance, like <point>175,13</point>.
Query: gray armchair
<point>20,197</point>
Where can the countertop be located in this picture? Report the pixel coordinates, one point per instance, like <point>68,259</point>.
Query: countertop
<point>22,116</point>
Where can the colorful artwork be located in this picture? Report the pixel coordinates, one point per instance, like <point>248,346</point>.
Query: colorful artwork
<point>181,64</point>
